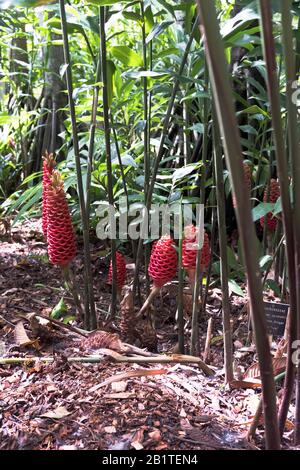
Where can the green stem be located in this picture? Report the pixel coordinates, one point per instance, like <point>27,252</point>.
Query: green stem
<point>108,153</point>
<point>146,137</point>
<point>222,91</point>
<point>282,168</point>
<point>90,314</point>
<point>180,318</point>
<point>293,139</point>
<point>227,333</point>
<point>161,148</point>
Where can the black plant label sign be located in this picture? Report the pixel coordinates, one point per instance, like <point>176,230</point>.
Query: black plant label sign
<point>276,314</point>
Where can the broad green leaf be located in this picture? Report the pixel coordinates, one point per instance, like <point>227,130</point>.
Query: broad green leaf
<point>145,73</point>
<point>265,261</point>
<point>198,127</point>
<point>157,29</point>
<point>184,171</point>
<point>127,56</point>
<point>111,69</point>
<point>235,288</point>
<point>261,210</point>
<point>6,118</point>
<point>59,310</point>
<point>271,284</point>
<point>131,15</point>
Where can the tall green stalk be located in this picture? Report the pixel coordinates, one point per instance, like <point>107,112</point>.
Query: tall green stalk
<point>90,313</point>
<point>223,96</point>
<point>227,333</point>
<point>180,318</point>
<point>160,151</point>
<point>293,139</point>
<point>146,137</point>
<point>282,169</point>
<point>108,152</point>
<point>198,277</point>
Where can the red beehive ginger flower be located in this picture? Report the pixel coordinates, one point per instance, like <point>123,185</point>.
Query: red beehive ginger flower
<point>48,167</point>
<point>163,261</point>
<point>60,233</point>
<point>162,267</point>
<point>271,194</point>
<point>248,181</point>
<point>121,271</point>
<point>189,251</point>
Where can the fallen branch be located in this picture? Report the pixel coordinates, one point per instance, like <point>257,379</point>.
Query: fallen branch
<point>176,358</point>
<point>127,375</point>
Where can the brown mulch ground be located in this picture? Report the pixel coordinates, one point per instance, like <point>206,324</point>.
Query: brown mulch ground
<point>54,406</point>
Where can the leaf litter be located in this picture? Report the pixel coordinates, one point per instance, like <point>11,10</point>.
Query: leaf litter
<point>107,405</point>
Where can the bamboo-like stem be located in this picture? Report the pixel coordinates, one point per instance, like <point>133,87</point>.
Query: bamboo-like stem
<point>179,314</point>
<point>93,124</point>
<point>108,153</point>
<point>227,333</point>
<point>198,277</point>
<point>160,151</point>
<point>282,168</point>
<point>258,414</point>
<point>293,139</point>
<point>206,354</point>
<point>119,159</point>
<point>228,125</point>
<point>154,291</point>
<point>212,245</point>
<point>146,138</point>
<point>89,314</point>
<point>195,312</point>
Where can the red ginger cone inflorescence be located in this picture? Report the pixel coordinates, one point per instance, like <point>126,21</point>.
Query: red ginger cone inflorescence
<point>271,194</point>
<point>48,167</point>
<point>247,179</point>
<point>189,251</point>
<point>121,271</point>
<point>60,232</point>
<point>163,261</point>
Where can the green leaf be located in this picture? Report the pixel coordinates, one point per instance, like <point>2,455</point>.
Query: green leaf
<point>271,284</point>
<point>158,29</point>
<point>261,210</point>
<point>127,56</point>
<point>254,110</point>
<point>149,21</point>
<point>6,118</point>
<point>104,3</point>
<point>131,15</point>
<point>184,171</point>
<point>235,288</point>
<point>198,127</point>
<point>249,129</point>
<point>23,3</point>
<point>59,310</point>
<point>145,73</point>
<point>265,261</point>
<point>111,70</point>
<point>278,206</point>
<point>68,319</point>
<point>232,261</point>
